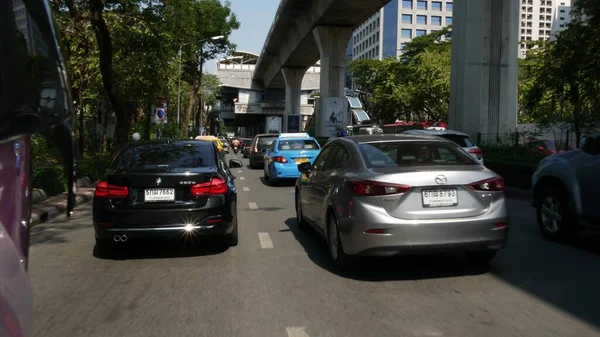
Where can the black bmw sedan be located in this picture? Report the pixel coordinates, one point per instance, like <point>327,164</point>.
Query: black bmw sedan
<point>166,188</point>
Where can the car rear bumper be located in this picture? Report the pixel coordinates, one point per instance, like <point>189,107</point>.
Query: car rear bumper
<point>285,171</point>
<point>161,223</point>
<point>257,158</point>
<point>430,236</point>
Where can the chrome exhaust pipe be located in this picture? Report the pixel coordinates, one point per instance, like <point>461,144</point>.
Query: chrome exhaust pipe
<point>123,238</point>
<point>117,238</point>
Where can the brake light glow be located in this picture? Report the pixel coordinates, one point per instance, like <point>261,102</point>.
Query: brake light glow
<point>495,184</point>
<point>215,186</point>
<point>477,151</point>
<point>106,190</point>
<point>280,159</point>
<point>375,188</point>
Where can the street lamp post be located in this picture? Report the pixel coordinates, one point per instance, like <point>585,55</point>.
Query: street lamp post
<point>179,90</point>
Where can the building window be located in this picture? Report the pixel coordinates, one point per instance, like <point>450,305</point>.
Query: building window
<point>422,5</point>
<point>402,46</point>
<point>436,20</point>
<point>407,18</point>
<point>421,19</point>
<point>449,6</point>
<point>436,6</point>
<point>448,20</point>
<point>406,33</point>
<point>420,32</point>
<point>408,4</point>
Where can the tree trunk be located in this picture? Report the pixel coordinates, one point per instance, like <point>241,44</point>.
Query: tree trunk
<point>81,121</point>
<point>199,92</point>
<point>123,113</point>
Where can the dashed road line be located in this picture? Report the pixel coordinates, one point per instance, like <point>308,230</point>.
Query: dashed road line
<point>253,205</point>
<point>265,240</point>
<point>239,171</point>
<point>246,189</point>
<point>242,178</point>
<point>296,331</point>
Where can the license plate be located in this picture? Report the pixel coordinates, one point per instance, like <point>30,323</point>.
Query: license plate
<point>159,194</point>
<point>301,160</point>
<point>440,197</point>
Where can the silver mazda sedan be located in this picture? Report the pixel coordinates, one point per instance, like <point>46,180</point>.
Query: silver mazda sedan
<point>383,195</point>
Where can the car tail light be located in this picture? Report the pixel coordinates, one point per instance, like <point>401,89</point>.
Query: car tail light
<point>106,190</point>
<point>280,159</point>
<point>374,188</point>
<point>215,186</point>
<point>477,151</point>
<point>495,184</point>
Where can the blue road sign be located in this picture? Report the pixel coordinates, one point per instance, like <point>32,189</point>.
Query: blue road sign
<point>160,113</point>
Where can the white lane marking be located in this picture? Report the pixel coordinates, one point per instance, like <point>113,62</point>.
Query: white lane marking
<point>296,331</point>
<point>246,189</point>
<point>242,178</point>
<point>252,205</point>
<point>239,171</point>
<point>265,240</point>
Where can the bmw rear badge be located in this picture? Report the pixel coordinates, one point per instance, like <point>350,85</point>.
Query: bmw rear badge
<point>158,181</point>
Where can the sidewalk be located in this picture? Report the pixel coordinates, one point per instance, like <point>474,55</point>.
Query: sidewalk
<point>57,205</point>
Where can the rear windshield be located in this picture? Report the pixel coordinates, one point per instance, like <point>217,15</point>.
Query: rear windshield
<point>462,141</point>
<point>298,144</point>
<point>265,141</point>
<point>165,157</point>
<point>400,154</point>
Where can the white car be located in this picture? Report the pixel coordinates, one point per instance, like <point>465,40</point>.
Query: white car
<point>462,139</point>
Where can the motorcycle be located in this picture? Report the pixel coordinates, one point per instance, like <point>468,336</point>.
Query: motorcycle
<point>235,149</point>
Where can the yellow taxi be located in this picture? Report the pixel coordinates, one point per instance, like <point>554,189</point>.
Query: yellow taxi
<point>215,140</point>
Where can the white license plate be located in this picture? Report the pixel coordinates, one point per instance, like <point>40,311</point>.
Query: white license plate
<point>159,194</point>
<point>440,197</point>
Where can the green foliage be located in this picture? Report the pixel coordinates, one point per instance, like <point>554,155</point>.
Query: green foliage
<point>50,178</point>
<point>416,86</point>
<point>93,167</point>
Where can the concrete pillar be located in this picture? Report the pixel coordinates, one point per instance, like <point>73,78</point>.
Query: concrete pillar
<point>483,89</point>
<point>332,42</point>
<point>293,91</point>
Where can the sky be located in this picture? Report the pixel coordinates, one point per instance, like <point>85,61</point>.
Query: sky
<point>255,17</point>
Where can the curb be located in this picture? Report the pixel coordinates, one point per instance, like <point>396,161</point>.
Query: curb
<point>518,193</point>
<point>50,209</point>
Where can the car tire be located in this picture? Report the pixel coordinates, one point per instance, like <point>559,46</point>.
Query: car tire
<point>482,257</point>
<point>339,259</point>
<point>232,239</point>
<point>302,224</point>
<point>104,248</point>
<point>556,200</point>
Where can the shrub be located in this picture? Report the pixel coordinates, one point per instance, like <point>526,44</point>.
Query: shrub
<point>93,167</point>
<point>50,178</point>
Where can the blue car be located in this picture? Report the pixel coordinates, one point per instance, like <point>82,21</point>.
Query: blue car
<point>286,152</point>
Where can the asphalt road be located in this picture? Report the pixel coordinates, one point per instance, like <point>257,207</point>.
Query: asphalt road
<point>278,283</point>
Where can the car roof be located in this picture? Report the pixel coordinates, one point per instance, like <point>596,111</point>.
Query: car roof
<point>168,141</point>
<point>436,132</point>
<point>387,137</point>
<point>267,135</point>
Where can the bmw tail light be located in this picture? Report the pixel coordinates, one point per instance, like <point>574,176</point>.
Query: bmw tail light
<point>215,186</point>
<point>375,188</point>
<point>106,190</point>
<point>495,184</point>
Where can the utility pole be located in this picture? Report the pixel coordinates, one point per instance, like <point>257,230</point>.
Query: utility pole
<point>179,90</point>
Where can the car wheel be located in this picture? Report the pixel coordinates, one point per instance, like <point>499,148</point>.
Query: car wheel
<point>233,238</point>
<point>339,259</point>
<point>302,225</point>
<point>103,248</point>
<point>554,216</point>
<point>482,257</point>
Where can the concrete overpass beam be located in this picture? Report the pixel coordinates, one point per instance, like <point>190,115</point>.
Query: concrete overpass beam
<point>293,90</point>
<point>483,89</point>
<point>332,42</point>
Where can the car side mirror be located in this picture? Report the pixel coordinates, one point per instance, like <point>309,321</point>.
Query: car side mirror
<point>235,163</point>
<point>304,167</point>
<point>264,150</point>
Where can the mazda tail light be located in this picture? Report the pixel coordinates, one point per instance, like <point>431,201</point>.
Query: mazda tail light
<point>495,184</point>
<point>375,188</point>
